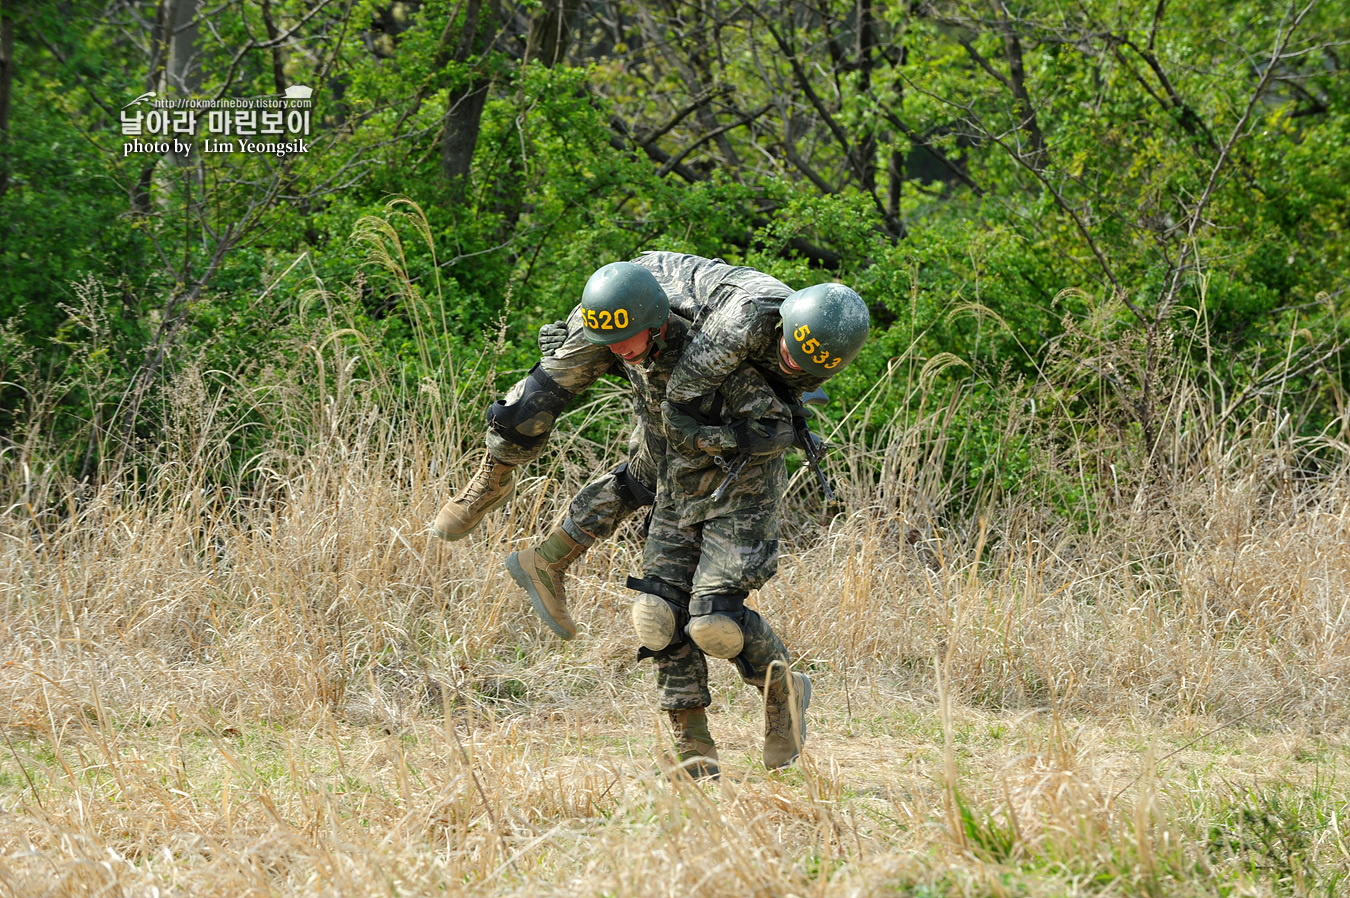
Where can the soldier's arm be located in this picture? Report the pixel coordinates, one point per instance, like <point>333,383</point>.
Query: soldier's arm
<point>577,363</point>
<point>744,415</point>
<point>520,423</point>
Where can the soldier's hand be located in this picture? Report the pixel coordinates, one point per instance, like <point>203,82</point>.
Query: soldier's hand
<point>713,440</point>
<point>763,437</point>
<point>552,337</point>
<point>690,438</point>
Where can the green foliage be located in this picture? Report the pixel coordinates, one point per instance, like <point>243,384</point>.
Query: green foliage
<point>989,838</point>
<point>1066,217</point>
<point>1270,835</point>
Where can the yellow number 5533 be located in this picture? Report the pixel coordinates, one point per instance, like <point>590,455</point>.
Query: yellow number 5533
<point>811,346</point>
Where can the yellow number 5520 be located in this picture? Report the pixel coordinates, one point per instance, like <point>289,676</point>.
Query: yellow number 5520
<point>605,321</point>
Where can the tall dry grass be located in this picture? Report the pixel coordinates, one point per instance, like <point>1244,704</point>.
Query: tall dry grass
<point>280,685</point>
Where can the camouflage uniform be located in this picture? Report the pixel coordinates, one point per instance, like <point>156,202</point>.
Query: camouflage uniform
<point>697,288</point>
<point>600,507</point>
<point>706,548</point>
<point>574,367</point>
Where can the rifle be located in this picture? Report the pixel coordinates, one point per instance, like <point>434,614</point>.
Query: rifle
<point>811,447</point>
<point>733,470</point>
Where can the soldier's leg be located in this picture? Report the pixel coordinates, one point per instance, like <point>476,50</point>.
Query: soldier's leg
<point>681,678</point>
<point>595,513</point>
<point>735,559</point>
<point>519,426</point>
<point>763,665</point>
<point>682,693</point>
<point>739,552</point>
<point>659,615</point>
<point>605,503</point>
<point>669,560</point>
<point>518,429</point>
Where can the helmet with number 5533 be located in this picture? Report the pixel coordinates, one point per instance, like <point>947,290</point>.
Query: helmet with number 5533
<point>824,327</point>
<point>621,300</point>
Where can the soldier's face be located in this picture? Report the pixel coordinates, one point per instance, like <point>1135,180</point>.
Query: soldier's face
<point>635,349</point>
<point>784,360</point>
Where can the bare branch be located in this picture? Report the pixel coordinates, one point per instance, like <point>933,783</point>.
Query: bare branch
<point>743,120</point>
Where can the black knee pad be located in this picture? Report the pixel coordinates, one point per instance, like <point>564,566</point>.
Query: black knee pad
<point>731,603</point>
<point>528,421</point>
<point>633,493</point>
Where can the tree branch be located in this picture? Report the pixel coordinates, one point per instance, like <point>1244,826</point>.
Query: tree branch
<point>1281,44</point>
<point>918,140</point>
<point>743,120</point>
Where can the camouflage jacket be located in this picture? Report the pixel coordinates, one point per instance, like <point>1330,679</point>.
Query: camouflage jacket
<point>735,312</point>
<point>576,365</point>
<point>744,394</point>
<point>729,372</point>
<point>580,363</point>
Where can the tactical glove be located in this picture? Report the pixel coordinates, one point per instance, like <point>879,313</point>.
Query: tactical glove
<point>691,438</point>
<point>763,437</point>
<point>552,337</point>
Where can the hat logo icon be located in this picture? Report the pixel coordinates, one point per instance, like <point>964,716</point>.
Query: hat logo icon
<point>299,92</point>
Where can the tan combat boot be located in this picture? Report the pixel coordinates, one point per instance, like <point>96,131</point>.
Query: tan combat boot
<point>539,570</point>
<point>785,720</point>
<point>698,755</point>
<point>490,488</point>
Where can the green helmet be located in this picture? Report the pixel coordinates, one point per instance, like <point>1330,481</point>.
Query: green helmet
<point>824,327</point>
<point>620,300</point>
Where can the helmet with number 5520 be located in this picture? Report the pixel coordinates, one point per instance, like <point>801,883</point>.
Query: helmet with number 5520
<point>621,300</point>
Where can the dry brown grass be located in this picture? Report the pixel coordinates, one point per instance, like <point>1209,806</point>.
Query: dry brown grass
<point>283,686</point>
<point>309,696</point>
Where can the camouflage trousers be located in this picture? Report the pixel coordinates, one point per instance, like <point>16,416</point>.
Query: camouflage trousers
<point>682,670</point>
<point>734,553</point>
<point>602,505</point>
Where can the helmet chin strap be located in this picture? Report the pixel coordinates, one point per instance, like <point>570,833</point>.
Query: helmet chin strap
<point>655,344</point>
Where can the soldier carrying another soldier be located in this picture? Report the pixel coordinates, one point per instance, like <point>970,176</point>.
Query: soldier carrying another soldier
<point>640,340</point>
<point>624,325</point>
<point>713,536</point>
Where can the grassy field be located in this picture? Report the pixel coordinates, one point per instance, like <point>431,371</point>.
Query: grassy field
<point>301,693</point>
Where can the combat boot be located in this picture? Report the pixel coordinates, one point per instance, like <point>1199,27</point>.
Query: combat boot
<point>539,570</point>
<point>784,736</point>
<point>698,755</point>
<point>490,488</point>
